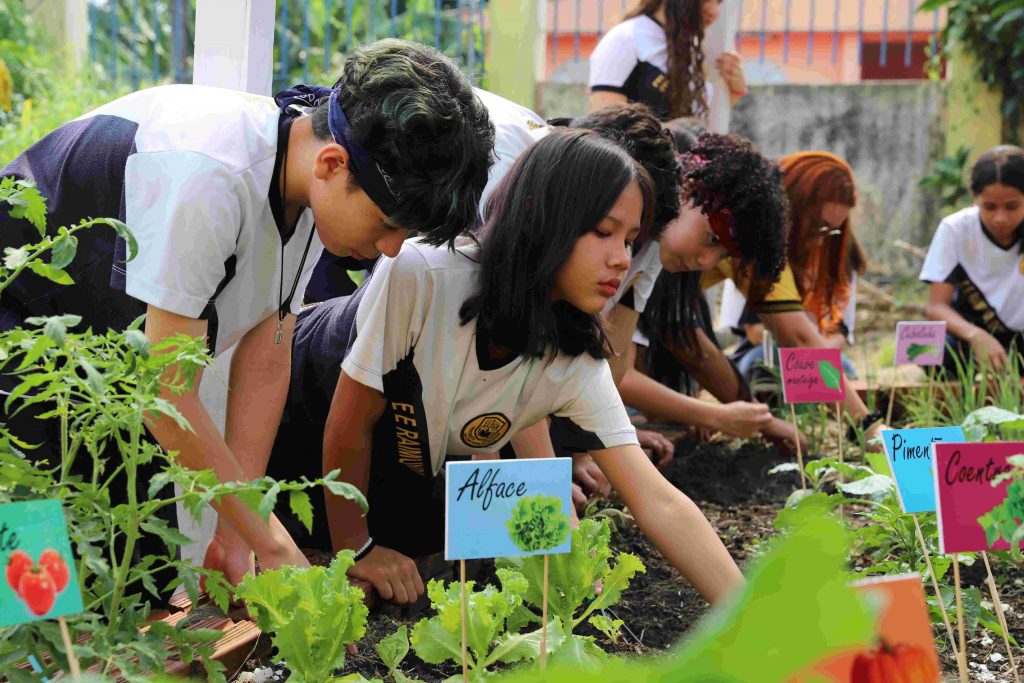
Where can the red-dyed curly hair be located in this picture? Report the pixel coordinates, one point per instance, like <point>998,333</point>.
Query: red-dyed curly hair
<point>821,264</point>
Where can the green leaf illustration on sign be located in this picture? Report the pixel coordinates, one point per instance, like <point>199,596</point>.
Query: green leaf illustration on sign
<point>915,350</point>
<point>829,374</point>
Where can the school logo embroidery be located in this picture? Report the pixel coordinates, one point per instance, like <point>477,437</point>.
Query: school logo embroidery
<point>485,430</point>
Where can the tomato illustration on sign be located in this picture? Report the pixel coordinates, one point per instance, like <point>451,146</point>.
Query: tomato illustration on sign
<point>52,562</point>
<point>38,590</point>
<point>901,663</point>
<point>17,564</point>
<point>38,584</point>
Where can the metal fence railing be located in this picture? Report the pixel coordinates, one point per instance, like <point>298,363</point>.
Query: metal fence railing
<point>146,41</point>
<point>889,37</point>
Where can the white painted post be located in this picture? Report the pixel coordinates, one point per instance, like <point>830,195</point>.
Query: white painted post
<point>234,49</point>
<point>720,37</point>
<point>235,45</point>
<point>67,23</point>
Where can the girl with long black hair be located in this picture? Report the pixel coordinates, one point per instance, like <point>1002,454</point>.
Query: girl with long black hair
<point>450,353</point>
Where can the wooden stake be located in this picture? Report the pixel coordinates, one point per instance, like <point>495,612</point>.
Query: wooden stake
<point>544,620</point>
<point>465,659</point>
<point>998,605</point>
<point>892,395</point>
<point>931,397</point>
<point>799,455</point>
<point>839,423</point>
<point>65,635</point>
<point>961,659</point>
<point>935,586</point>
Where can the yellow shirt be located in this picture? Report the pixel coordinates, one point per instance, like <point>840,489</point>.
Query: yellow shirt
<point>781,298</point>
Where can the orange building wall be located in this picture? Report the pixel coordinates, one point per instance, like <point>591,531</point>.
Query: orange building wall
<point>820,68</point>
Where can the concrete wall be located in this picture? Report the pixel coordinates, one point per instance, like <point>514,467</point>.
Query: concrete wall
<point>889,132</point>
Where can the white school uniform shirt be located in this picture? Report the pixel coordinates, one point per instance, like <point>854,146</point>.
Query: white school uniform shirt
<point>638,283</point>
<point>632,60</point>
<point>409,338</point>
<point>988,279</point>
<point>196,198</point>
<point>515,129</point>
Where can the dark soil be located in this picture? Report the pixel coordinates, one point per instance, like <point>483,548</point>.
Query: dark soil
<point>715,473</point>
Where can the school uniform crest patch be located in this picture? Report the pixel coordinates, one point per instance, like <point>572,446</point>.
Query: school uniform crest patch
<point>485,430</point>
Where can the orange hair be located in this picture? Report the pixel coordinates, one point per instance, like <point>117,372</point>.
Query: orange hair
<point>821,267</point>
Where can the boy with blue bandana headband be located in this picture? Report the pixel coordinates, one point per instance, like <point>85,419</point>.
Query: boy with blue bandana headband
<point>215,185</point>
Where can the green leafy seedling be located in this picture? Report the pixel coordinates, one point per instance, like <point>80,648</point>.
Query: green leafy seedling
<point>538,523</point>
<point>609,627</point>
<point>572,579</point>
<point>314,613</point>
<point>490,639</point>
<point>392,650</point>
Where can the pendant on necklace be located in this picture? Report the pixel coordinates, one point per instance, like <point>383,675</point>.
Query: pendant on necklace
<point>278,333</point>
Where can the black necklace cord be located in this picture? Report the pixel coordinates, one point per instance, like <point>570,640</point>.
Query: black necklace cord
<point>284,305</point>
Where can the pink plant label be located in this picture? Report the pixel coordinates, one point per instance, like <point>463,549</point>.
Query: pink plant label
<point>964,473</point>
<point>920,343</point>
<point>812,375</point>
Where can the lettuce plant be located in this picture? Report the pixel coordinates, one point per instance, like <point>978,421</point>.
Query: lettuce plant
<point>490,638</point>
<point>572,578</point>
<point>538,523</point>
<point>314,613</point>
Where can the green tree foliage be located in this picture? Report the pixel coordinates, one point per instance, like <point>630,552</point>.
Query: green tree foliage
<point>992,32</point>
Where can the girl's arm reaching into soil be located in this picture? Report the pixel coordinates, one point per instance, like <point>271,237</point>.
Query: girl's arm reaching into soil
<point>671,521</point>
<point>348,446</point>
<point>985,347</point>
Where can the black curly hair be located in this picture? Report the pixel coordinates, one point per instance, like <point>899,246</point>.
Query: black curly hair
<point>726,172</point>
<point>637,129</point>
<point>417,116</point>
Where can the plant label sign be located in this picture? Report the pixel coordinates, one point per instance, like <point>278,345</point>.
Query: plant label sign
<point>505,508</point>
<point>812,375</point>
<point>910,457</point>
<point>903,647</point>
<point>964,495</point>
<point>920,343</point>
<point>40,578</point>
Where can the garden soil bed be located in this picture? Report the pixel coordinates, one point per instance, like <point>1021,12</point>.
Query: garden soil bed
<point>733,488</point>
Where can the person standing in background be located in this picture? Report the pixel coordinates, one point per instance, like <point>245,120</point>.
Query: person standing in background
<point>655,56</point>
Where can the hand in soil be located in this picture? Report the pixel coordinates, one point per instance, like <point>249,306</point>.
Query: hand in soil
<point>579,503</point>
<point>872,433</point>
<point>228,554</point>
<point>393,575</point>
<point>987,349</point>
<point>743,419</point>
<point>659,449</point>
<point>589,475</point>
<point>780,433</point>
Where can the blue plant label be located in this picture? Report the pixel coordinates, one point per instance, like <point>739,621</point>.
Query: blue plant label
<point>910,456</point>
<point>40,581</point>
<point>506,508</point>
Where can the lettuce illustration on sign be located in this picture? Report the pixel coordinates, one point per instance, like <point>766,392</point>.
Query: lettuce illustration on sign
<point>538,523</point>
<point>915,350</point>
<point>830,374</point>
